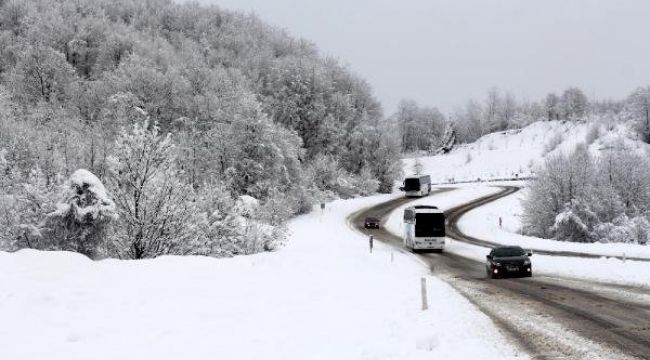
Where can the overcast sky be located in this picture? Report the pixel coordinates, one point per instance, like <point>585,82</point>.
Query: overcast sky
<point>443,52</point>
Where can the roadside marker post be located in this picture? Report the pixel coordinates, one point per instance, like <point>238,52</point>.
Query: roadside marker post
<point>370,243</point>
<point>423,292</point>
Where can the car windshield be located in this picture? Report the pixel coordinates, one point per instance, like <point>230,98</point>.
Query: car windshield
<point>507,252</point>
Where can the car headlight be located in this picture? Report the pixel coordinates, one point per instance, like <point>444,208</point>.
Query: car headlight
<point>496,263</point>
<point>526,262</point>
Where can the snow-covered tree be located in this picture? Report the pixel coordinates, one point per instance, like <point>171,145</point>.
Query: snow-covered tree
<point>578,198</point>
<point>448,139</point>
<point>236,227</point>
<point>29,208</point>
<point>156,209</point>
<point>265,155</point>
<point>41,74</point>
<point>573,103</point>
<point>561,181</point>
<point>420,127</point>
<point>82,215</point>
<point>552,107</point>
<point>639,105</point>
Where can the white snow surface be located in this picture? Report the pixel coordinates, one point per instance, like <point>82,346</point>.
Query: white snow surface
<point>507,154</point>
<point>81,177</point>
<point>323,296</point>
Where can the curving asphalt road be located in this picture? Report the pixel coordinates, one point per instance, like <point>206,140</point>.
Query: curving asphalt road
<point>546,317</point>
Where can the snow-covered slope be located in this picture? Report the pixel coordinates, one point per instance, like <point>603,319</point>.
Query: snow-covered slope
<point>323,296</point>
<point>517,153</point>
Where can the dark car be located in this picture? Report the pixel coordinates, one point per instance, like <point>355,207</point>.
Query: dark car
<point>508,260</point>
<point>371,222</point>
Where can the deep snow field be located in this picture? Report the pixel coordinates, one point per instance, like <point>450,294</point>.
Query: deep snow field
<point>322,296</point>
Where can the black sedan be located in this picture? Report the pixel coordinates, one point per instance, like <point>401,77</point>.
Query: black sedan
<point>371,222</point>
<point>508,260</point>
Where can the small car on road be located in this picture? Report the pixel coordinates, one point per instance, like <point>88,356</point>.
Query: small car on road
<point>371,223</point>
<point>508,260</point>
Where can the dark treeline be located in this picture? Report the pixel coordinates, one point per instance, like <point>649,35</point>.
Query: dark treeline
<point>261,127</point>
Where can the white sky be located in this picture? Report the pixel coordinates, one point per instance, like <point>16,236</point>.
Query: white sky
<point>443,52</point>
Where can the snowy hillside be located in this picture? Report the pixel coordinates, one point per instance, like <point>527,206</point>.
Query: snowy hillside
<point>517,153</point>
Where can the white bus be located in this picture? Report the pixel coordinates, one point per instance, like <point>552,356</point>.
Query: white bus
<point>419,185</point>
<point>424,228</point>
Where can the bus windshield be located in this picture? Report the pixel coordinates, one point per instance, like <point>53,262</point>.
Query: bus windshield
<point>412,185</point>
<point>427,224</point>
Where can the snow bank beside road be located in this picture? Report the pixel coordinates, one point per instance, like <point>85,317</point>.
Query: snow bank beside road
<point>483,222</point>
<point>607,270</point>
<point>323,296</point>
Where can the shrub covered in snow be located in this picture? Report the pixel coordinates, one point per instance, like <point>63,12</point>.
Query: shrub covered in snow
<point>157,210</point>
<point>23,211</point>
<point>236,227</point>
<point>81,216</point>
<point>55,215</point>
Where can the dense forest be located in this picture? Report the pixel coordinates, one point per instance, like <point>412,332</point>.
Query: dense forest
<point>134,128</point>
